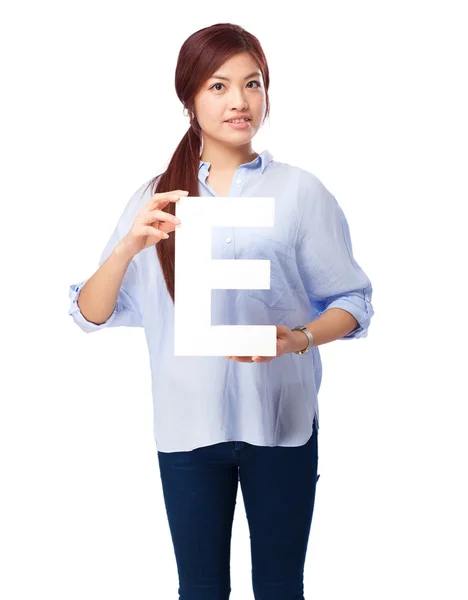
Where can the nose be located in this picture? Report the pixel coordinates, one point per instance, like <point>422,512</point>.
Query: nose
<point>238,101</point>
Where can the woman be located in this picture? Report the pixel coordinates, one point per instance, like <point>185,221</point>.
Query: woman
<point>220,420</point>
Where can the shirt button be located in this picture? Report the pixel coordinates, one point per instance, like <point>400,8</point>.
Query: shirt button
<point>238,180</point>
<point>228,240</point>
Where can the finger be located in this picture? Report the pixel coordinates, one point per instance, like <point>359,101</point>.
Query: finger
<point>154,231</point>
<point>159,215</point>
<point>162,200</point>
<point>174,194</point>
<point>171,196</point>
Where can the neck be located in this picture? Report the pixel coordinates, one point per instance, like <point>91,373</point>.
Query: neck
<point>224,158</point>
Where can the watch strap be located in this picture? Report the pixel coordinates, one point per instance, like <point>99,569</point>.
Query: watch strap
<point>308,334</point>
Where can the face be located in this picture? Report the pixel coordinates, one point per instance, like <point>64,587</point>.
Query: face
<point>221,99</point>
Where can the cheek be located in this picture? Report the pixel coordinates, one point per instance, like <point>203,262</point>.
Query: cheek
<point>211,116</point>
<point>206,109</point>
<point>259,105</point>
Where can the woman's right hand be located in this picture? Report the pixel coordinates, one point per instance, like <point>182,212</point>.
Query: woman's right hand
<point>152,224</point>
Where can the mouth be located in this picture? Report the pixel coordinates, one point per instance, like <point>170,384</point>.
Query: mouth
<point>243,124</point>
<point>237,121</point>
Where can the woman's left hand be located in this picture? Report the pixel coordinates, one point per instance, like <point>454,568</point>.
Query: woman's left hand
<point>286,341</point>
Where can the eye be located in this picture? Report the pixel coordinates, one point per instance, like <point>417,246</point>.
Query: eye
<point>253,81</point>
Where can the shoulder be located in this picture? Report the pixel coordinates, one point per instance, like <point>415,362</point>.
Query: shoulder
<point>311,190</point>
<point>307,180</point>
<point>141,195</point>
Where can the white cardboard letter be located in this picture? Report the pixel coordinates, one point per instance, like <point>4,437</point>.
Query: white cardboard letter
<point>196,274</point>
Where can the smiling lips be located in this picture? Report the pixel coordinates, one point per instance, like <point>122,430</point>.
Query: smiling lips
<point>239,124</point>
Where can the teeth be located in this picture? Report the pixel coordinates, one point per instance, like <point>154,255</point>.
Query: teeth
<point>238,121</point>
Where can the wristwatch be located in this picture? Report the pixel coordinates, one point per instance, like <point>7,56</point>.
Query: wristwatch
<point>308,334</point>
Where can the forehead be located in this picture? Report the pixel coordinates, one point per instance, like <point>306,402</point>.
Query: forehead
<point>238,65</point>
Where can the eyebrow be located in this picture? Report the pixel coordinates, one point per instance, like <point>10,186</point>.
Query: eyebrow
<point>217,76</point>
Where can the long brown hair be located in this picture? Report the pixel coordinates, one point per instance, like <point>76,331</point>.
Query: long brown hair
<point>200,56</point>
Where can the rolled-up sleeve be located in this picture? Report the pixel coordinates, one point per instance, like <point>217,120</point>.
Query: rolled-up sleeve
<point>127,310</point>
<point>330,274</point>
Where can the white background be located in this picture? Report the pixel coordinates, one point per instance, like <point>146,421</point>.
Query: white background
<point>371,98</point>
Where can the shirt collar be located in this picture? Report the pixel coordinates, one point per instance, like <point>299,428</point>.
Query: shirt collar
<point>261,161</point>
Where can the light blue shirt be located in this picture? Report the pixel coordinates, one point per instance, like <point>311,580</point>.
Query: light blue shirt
<point>198,401</point>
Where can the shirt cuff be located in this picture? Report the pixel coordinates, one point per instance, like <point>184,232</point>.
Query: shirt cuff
<point>359,305</point>
<point>75,312</point>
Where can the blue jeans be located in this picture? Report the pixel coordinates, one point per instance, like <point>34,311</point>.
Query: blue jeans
<point>278,489</point>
